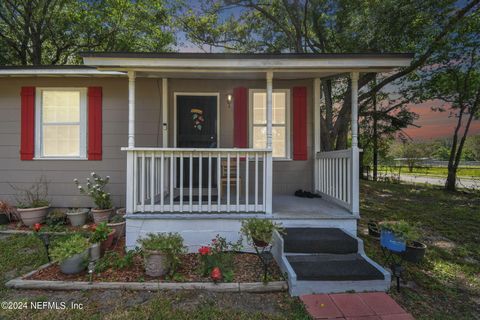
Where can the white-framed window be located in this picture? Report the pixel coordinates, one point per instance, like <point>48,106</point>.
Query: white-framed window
<point>280,121</point>
<point>60,122</point>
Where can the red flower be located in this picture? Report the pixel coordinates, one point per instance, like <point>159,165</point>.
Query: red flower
<point>204,250</point>
<point>216,274</point>
<point>37,227</point>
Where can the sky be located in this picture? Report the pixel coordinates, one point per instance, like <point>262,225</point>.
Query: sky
<point>434,124</point>
<point>431,124</point>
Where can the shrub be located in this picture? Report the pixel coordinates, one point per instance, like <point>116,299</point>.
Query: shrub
<point>260,229</point>
<point>96,191</point>
<point>113,260</point>
<point>170,244</point>
<point>69,247</point>
<point>34,196</point>
<point>56,218</point>
<point>219,254</point>
<point>100,233</point>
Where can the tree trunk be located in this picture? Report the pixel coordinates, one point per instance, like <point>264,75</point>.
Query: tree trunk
<point>375,133</point>
<point>450,184</point>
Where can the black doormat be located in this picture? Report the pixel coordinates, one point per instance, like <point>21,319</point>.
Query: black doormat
<point>195,198</point>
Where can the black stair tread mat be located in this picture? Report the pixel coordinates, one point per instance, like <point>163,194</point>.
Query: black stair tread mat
<point>318,240</point>
<point>332,267</point>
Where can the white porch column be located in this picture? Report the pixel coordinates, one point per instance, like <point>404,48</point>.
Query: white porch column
<point>165,112</point>
<point>269,164</point>
<point>130,196</point>
<point>355,187</point>
<point>316,134</point>
<point>131,109</point>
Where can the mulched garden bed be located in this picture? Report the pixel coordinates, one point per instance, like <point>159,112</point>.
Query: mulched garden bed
<point>247,268</point>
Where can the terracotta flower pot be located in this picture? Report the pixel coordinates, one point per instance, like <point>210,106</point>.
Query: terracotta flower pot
<point>78,218</point>
<point>101,215</point>
<point>106,244</point>
<point>74,264</point>
<point>415,252</point>
<point>119,228</point>
<point>30,216</point>
<point>155,263</point>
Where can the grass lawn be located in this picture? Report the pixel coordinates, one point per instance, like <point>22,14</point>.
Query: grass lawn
<point>446,285</point>
<point>463,172</point>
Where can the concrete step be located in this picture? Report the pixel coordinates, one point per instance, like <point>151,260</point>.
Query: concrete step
<point>326,260</point>
<point>318,240</point>
<point>333,267</point>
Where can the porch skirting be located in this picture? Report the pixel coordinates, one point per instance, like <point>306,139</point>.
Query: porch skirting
<point>199,229</point>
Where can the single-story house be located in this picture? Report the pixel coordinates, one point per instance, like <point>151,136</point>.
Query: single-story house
<point>194,143</point>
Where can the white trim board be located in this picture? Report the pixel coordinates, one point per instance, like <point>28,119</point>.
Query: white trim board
<point>39,123</point>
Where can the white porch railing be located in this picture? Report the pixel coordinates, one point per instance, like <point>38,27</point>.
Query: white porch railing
<point>191,180</point>
<point>337,180</point>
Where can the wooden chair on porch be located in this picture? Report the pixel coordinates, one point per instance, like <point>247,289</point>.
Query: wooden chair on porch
<point>233,176</point>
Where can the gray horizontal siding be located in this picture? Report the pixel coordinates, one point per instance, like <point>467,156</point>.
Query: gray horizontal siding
<point>288,175</point>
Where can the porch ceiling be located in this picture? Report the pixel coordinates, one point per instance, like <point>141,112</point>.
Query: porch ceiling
<point>232,75</point>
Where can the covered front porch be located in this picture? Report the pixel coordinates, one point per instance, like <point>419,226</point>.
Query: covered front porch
<point>218,177</point>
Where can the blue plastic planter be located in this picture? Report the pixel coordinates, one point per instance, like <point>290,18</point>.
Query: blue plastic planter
<point>391,242</point>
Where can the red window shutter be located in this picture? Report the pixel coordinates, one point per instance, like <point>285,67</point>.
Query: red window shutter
<point>240,117</point>
<point>94,123</point>
<point>300,123</point>
<point>27,143</point>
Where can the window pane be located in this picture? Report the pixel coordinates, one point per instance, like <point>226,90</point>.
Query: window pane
<point>259,137</point>
<point>259,108</point>
<point>60,106</point>
<point>61,140</point>
<point>278,142</point>
<point>278,107</point>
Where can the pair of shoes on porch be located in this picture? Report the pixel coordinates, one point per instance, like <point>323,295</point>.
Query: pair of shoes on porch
<point>306,194</point>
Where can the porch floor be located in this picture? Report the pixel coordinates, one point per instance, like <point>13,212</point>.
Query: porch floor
<point>287,207</point>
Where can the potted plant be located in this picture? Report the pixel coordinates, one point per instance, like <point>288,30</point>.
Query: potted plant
<point>117,223</point>
<point>161,253</point>
<point>407,237</point>
<point>260,231</point>
<point>102,235</point>
<point>7,213</point>
<point>77,216</point>
<point>32,203</point>
<point>71,254</point>
<point>95,189</point>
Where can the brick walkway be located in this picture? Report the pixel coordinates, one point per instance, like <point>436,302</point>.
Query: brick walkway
<point>354,306</point>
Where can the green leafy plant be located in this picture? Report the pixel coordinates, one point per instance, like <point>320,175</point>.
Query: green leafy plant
<point>113,260</point>
<point>56,218</point>
<point>34,196</point>
<point>100,233</point>
<point>170,244</point>
<point>219,254</point>
<point>260,230</point>
<point>95,189</point>
<point>402,229</point>
<point>69,247</point>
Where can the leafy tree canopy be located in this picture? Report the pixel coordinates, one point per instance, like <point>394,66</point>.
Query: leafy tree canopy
<point>54,31</point>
